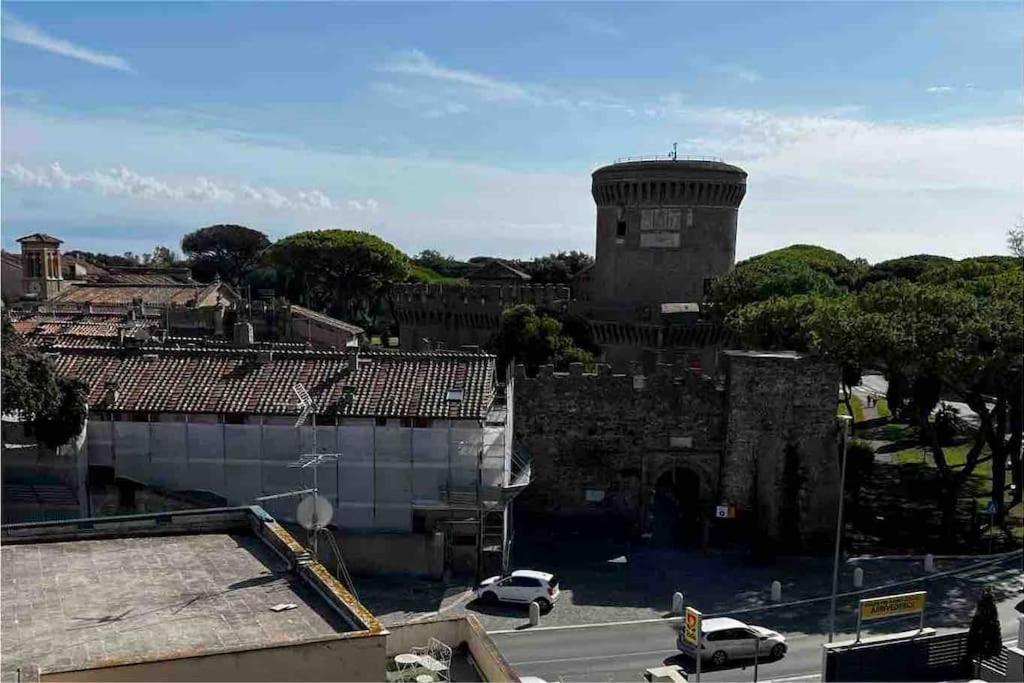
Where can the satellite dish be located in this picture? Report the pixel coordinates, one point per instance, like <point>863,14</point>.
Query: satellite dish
<point>314,512</point>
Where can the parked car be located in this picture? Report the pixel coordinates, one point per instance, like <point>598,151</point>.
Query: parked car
<point>723,639</point>
<point>522,585</point>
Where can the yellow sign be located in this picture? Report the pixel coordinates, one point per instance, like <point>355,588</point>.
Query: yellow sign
<point>691,626</point>
<point>892,606</point>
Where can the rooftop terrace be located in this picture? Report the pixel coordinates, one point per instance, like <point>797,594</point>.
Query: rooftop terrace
<point>124,591</point>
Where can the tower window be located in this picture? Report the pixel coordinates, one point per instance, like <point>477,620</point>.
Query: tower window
<point>620,228</point>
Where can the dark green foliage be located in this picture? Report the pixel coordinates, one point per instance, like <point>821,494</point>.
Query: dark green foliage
<point>105,260</point>
<point>782,273</point>
<point>55,406</point>
<point>229,251</point>
<point>777,323</point>
<point>985,638</point>
<point>443,266</point>
<point>535,338</point>
<point>555,268</point>
<point>341,271</point>
<point>904,268</point>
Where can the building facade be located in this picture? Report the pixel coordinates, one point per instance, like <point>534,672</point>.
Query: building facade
<point>422,441</point>
<point>660,452</point>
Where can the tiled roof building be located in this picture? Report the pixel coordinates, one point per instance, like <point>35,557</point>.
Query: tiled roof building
<point>119,294</point>
<point>447,384</point>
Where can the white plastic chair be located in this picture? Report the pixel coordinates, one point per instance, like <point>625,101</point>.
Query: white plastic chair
<point>436,658</point>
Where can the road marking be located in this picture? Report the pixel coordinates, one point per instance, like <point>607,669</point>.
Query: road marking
<point>571,627</point>
<point>589,658</point>
<point>796,677</point>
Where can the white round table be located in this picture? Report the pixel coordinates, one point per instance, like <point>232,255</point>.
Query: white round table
<point>406,661</point>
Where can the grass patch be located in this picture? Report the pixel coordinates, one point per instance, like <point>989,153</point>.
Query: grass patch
<point>858,408</point>
<point>882,406</point>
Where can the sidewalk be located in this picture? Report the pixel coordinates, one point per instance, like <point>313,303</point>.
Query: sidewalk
<point>627,585</point>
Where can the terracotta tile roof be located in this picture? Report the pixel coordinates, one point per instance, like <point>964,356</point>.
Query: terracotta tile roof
<point>10,260</point>
<point>142,275</point>
<point>40,237</point>
<point>46,329</point>
<point>302,312</point>
<point>211,380</point>
<point>111,294</point>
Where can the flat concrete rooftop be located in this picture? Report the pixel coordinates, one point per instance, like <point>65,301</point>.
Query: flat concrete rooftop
<point>77,604</point>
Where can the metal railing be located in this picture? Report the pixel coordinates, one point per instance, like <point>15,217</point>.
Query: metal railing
<point>667,157</point>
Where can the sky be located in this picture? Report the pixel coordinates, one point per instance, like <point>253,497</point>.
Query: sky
<point>877,129</point>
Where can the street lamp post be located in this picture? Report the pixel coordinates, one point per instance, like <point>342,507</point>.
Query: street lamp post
<point>845,421</point>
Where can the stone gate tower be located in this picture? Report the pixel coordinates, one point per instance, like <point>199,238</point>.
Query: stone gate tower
<point>664,229</point>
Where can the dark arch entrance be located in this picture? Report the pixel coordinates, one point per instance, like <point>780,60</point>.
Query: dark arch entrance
<point>676,508</point>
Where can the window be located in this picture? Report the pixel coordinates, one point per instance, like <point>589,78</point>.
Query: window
<point>382,421</point>
<point>620,228</point>
<point>523,582</point>
<point>422,423</point>
<point>234,418</point>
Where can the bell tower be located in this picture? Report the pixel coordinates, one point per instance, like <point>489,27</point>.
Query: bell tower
<point>40,266</point>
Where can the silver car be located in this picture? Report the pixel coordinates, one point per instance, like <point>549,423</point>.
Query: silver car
<point>725,639</point>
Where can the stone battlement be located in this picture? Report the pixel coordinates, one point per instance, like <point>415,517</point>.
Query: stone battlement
<point>484,296</point>
<point>674,373</point>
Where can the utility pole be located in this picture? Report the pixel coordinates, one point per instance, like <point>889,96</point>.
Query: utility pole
<point>844,421</point>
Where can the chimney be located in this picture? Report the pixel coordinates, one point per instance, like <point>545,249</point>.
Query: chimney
<point>264,357</point>
<point>243,334</point>
<point>112,393</point>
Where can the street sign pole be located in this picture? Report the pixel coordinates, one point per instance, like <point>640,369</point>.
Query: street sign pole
<point>691,634</point>
<point>844,421</point>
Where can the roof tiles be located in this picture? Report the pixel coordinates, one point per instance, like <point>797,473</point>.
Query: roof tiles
<point>210,380</point>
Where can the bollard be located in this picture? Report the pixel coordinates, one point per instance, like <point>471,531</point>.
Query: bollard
<point>678,603</point>
<point>534,613</point>
<point>776,591</point>
<point>858,577</point>
<point>929,563</point>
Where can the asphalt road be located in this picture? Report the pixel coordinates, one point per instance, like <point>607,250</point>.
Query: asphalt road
<point>622,651</point>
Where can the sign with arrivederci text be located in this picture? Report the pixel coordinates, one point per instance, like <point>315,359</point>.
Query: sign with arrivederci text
<point>691,626</point>
<point>892,606</point>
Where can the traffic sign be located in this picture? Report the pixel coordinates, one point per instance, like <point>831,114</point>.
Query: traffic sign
<point>991,509</point>
<point>691,626</point>
<point>892,605</point>
<point>725,511</point>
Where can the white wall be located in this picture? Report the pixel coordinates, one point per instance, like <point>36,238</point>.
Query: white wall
<point>381,472</point>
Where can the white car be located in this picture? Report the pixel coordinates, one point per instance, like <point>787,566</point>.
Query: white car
<point>522,585</point>
<point>724,639</point>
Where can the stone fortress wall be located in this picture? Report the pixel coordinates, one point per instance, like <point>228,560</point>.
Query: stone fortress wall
<point>463,315</point>
<point>765,441</point>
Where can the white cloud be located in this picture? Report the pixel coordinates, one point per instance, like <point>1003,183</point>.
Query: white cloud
<point>363,205</point>
<point>19,32</point>
<point>739,73</point>
<point>416,63</point>
<point>200,190</point>
<point>941,88</point>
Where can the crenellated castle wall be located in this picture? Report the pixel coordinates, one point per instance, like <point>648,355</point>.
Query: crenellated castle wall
<point>463,315</point>
<point>602,442</point>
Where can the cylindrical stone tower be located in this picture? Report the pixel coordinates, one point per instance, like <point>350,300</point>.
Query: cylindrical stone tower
<point>664,229</point>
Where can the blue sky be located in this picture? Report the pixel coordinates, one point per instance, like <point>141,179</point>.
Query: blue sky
<point>877,129</point>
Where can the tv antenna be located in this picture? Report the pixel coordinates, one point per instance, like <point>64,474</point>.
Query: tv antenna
<point>314,512</point>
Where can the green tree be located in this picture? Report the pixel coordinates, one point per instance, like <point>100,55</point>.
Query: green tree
<point>445,266</point>
<point>985,638</point>
<point>230,251</point>
<point>781,273</point>
<point>535,338</point>
<point>556,268</point>
<point>344,272</point>
<point>904,268</point>
<point>55,406</point>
